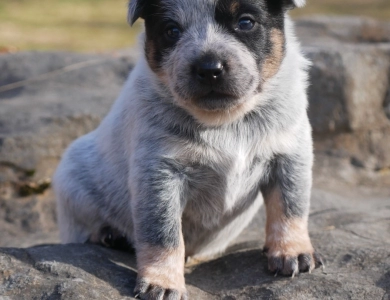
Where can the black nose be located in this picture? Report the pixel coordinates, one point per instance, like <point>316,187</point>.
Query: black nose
<point>209,69</point>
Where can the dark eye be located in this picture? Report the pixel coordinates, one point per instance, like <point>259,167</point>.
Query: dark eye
<point>173,32</point>
<point>245,24</point>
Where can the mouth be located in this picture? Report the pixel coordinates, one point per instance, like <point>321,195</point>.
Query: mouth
<point>216,101</point>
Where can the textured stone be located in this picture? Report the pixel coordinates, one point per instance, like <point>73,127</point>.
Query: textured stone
<point>349,93</point>
<point>350,73</point>
<point>46,101</point>
<point>60,96</point>
<point>351,230</point>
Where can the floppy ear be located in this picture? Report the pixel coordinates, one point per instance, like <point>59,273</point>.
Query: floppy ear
<point>295,3</point>
<point>136,8</point>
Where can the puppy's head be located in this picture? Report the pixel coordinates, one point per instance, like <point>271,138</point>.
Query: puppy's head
<point>214,55</point>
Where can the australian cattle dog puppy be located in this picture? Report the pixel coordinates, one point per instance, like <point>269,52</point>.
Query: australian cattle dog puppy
<point>211,123</point>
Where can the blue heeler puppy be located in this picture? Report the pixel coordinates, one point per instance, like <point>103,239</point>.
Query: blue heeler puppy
<point>211,122</point>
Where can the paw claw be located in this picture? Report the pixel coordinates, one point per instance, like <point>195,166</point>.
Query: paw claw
<point>185,296</point>
<point>144,290</point>
<point>319,261</point>
<point>140,288</point>
<point>295,272</point>
<point>293,265</point>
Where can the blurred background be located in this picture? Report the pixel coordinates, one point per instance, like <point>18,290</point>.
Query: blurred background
<point>100,25</point>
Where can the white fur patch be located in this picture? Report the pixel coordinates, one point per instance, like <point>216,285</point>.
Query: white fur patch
<point>299,3</point>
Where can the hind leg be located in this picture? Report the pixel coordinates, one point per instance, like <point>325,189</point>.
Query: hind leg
<point>80,220</point>
<point>97,232</point>
<point>71,231</point>
<point>78,216</point>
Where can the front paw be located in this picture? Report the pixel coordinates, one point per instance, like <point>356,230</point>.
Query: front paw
<point>290,263</point>
<point>161,273</point>
<point>159,289</point>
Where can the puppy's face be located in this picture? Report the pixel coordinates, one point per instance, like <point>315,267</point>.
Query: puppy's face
<point>214,55</point>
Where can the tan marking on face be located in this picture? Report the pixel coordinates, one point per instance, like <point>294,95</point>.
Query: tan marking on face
<point>285,236</point>
<point>150,50</point>
<point>218,118</point>
<point>149,53</point>
<point>162,267</point>
<point>234,6</point>
<point>274,60</point>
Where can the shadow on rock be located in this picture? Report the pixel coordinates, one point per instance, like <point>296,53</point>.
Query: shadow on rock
<point>73,271</point>
<point>232,272</point>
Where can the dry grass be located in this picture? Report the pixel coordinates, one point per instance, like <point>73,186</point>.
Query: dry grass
<point>100,25</point>
<point>76,25</point>
<point>379,9</point>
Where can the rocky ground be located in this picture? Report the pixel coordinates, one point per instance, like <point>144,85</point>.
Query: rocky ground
<point>49,99</point>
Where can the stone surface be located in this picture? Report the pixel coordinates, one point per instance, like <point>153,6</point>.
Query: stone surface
<point>350,228</point>
<point>46,101</point>
<point>59,97</point>
<point>49,99</point>
<point>350,73</point>
<point>350,86</point>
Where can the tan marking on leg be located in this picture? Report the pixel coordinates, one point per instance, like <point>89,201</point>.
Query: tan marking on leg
<point>285,236</point>
<point>274,60</point>
<point>162,267</point>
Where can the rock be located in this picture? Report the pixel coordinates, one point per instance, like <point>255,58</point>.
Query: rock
<point>351,230</point>
<point>26,221</point>
<point>386,103</point>
<point>350,86</point>
<point>350,73</point>
<point>59,97</point>
<point>47,100</point>
<point>370,147</point>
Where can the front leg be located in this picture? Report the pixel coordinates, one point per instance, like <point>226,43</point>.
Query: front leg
<point>287,199</point>
<point>157,206</point>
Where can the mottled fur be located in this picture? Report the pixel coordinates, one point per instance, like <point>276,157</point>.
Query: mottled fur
<point>180,173</point>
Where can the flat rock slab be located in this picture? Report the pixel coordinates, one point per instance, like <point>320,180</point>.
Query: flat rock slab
<point>351,231</point>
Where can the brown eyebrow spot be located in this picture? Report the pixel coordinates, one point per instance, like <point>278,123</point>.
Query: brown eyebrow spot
<point>234,6</point>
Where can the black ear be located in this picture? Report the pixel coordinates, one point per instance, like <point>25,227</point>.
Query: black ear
<point>294,3</point>
<point>136,8</point>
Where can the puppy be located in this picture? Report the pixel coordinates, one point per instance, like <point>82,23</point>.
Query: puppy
<point>211,122</point>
